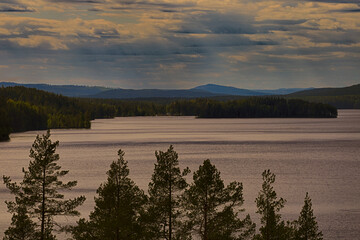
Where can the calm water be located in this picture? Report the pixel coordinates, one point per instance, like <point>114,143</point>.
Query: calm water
<point>319,156</point>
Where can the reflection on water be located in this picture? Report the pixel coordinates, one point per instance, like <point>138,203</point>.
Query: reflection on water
<point>321,156</point>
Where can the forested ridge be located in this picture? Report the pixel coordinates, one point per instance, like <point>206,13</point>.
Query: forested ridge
<point>24,109</point>
<point>344,98</point>
<point>172,209</point>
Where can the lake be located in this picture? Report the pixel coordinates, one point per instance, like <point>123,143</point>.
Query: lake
<point>319,156</point>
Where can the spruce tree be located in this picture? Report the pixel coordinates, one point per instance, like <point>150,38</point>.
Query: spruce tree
<point>37,197</point>
<point>118,205</point>
<point>213,209</point>
<point>165,188</point>
<point>268,207</point>
<point>306,226</point>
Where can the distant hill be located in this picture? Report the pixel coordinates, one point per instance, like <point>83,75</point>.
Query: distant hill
<point>227,90</point>
<point>282,91</point>
<point>351,90</point>
<point>152,93</point>
<point>209,90</point>
<point>65,90</point>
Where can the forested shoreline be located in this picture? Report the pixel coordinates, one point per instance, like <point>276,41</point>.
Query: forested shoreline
<point>252,107</point>
<point>172,209</point>
<point>25,109</point>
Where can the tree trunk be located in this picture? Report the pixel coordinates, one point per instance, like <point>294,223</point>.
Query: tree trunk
<point>206,216</point>
<point>170,202</point>
<point>43,207</point>
<point>170,213</point>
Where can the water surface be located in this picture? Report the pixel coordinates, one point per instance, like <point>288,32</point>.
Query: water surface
<point>319,156</point>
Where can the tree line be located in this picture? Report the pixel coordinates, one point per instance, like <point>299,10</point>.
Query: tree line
<point>172,209</point>
<point>252,107</point>
<point>24,109</point>
<point>342,102</point>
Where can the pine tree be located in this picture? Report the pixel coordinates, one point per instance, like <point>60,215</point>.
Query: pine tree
<point>117,207</point>
<point>306,226</point>
<point>167,183</point>
<point>212,208</point>
<point>38,193</point>
<point>268,206</point>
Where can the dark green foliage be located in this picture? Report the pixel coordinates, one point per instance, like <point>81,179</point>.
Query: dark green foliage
<point>117,208</point>
<point>252,107</point>
<point>306,226</point>
<point>212,209</point>
<point>167,183</point>
<point>22,227</point>
<point>38,193</point>
<point>5,128</point>
<point>273,228</point>
<point>342,102</point>
<point>24,116</point>
<point>30,109</point>
<point>84,230</point>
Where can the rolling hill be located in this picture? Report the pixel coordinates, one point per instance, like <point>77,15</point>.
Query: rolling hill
<point>65,90</point>
<point>208,90</point>
<point>152,93</point>
<point>227,90</point>
<point>342,98</point>
<point>351,90</point>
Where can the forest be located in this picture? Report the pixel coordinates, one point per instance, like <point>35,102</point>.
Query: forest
<point>251,107</point>
<point>173,208</point>
<point>342,102</point>
<point>24,109</point>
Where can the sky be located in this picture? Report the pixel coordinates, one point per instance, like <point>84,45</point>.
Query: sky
<point>180,44</point>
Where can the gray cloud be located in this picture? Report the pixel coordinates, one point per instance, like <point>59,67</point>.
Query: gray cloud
<point>12,9</point>
<point>130,4</point>
<point>77,1</point>
<point>352,10</point>
<point>217,23</point>
<point>95,10</point>
<point>14,6</point>
<point>337,37</point>
<point>154,4</point>
<point>336,1</point>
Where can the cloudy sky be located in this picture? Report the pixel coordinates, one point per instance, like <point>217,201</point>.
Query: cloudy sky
<point>181,43</point>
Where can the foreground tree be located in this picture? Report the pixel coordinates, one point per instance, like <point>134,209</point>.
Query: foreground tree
<point>118,208</point>
<point>306,226</point>
<point>167,183</point>
<point>37,197</point>
<point>212,208</point>
<point>268,207</point>
<point>22,227</point>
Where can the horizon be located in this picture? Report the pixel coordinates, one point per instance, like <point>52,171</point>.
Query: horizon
<point>162,44</point>
<point>206,84</point>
